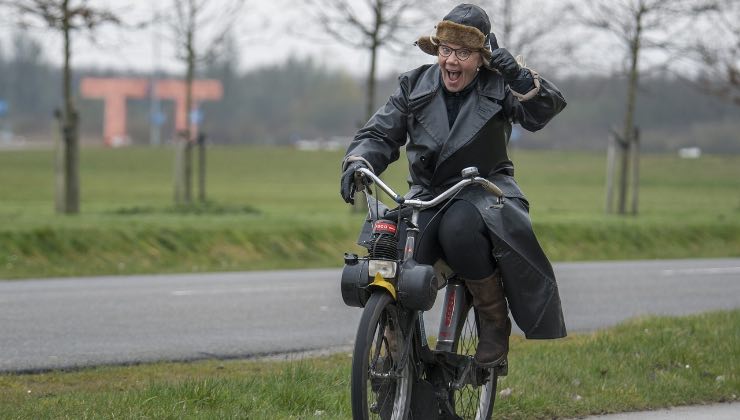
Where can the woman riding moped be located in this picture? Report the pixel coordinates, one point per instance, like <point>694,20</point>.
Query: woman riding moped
<point>458,113</point>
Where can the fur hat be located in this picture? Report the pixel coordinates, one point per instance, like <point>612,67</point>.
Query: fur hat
<point>466,25</point>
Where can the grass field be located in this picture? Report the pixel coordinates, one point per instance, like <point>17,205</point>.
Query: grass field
<point>642,364</point>
<point>280,208</point>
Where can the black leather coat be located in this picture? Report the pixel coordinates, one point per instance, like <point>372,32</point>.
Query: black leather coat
<point>437,153</point>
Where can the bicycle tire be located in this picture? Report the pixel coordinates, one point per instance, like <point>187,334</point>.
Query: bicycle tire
<point>375,393</point>
<point>473,402</point>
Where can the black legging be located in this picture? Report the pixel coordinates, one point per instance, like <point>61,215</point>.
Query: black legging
<point>459,236</point>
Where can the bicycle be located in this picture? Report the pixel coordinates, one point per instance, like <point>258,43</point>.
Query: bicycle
<point>395,373</point>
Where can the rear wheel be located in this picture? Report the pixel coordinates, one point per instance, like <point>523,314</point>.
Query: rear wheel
<point>380,388</point>
<point>473,402</point>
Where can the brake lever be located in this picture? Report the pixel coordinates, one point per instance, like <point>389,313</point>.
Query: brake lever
<point>361,182</point>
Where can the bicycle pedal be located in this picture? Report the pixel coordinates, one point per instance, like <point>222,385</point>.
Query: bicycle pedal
<point>479,376</point>
<point>374,408</point>
<point>502,369</point>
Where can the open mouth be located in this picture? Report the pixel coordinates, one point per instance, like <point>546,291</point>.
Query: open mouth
<point>453,75</point>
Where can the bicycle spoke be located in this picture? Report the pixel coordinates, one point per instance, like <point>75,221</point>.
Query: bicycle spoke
<point>379,338</point>
<point>386,386</point>
<point>470,399</point>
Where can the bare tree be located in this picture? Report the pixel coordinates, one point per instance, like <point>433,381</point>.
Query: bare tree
<point>370,25</point>
<point>200,29</point>
<point>715,46</point>
<point>64,16</point>
<point>533,29</point>
<point>638,26</point>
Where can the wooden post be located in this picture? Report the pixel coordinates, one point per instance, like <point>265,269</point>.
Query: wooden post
<point>201,167</point>
<point>179,178</point>
<point>635,162</point>
<point>60,180</point>
<point>610,158</point>
<point>72,163</point>
<point>188,170</point>
<point>623,175</point>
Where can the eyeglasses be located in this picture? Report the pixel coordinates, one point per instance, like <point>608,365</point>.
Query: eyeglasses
<point>462,54</point>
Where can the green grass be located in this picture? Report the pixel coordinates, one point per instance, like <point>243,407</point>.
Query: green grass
<point>644,363</point>
<point>280,208</point>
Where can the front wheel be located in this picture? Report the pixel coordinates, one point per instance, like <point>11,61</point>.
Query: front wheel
<point>473,402</point>
<point>380,387</point>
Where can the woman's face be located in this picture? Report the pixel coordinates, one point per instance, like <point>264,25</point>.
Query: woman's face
<point>456,73</point>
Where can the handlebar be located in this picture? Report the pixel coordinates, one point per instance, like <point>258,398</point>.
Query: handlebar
<point>470,176</point>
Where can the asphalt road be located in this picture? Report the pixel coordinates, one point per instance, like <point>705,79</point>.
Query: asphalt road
<point>67,323</point>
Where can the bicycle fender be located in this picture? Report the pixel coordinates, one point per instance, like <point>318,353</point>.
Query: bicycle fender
<point>380,282</point>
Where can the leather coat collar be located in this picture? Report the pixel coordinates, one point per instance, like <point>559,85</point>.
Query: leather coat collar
<point>426,103</point>
<point>490,84</point>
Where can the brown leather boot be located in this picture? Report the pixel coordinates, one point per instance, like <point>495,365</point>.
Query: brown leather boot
<point>493,314</point>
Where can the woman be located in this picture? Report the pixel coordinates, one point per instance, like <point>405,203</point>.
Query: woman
<point>458,113</point>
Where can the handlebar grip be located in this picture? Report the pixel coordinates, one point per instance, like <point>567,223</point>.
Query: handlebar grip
<point>491,187</point>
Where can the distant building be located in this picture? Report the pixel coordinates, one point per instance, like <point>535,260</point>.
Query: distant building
<point>115,92</point>
<point>331,144</point>
<point>689,153</point>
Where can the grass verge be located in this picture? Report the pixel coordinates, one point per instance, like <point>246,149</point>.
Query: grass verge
<point>262,218</point>
<point>94,250</point>
<point>641,364</point>
<point>52,252</point>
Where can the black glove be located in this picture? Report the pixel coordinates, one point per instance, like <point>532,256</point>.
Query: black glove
<point>347,187</point>
<point>504,62</point>
<point>519,79</point>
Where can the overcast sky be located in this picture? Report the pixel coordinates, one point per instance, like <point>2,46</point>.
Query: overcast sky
<point>268,32</point>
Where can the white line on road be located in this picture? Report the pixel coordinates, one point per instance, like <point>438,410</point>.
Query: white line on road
<point>693,271</point>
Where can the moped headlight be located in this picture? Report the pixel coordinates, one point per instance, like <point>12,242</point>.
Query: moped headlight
<point>387,269</point>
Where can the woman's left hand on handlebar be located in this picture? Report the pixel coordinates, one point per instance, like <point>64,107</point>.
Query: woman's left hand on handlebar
<point>347,186</point>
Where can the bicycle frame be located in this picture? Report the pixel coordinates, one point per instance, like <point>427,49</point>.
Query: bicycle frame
<point>444,376</point>
<point>470,177</point>
<point>456,302</point>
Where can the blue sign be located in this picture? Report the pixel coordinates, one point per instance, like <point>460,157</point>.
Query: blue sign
<point>3,107</point>
<point>196,116</point>
<point>158,118</point>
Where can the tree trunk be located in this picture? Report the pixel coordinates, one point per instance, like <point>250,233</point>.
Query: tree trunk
<point>70,148</point>
<point>184,166</point>
<point>360,200</point>
<point>374,44</point>
<point>629,117</point>
<point>370,101</point>
<point>190,74</point>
